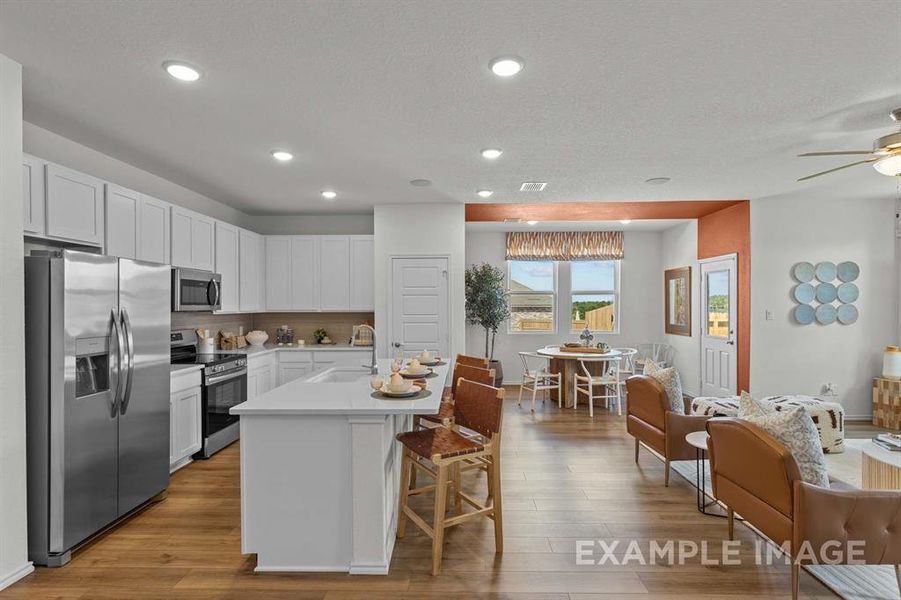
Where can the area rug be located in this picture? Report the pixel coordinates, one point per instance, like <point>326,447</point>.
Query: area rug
<point>848,581</point>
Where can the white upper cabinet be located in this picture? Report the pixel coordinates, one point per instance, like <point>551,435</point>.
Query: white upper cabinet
<point>250,270</point>
<point>193,240</point>
<point>227,264</point>
<point>278,272</point>
<point>123,207</point>
<point>304,274</point>
<point>203,242</point>
<point>334,264</point>
<point>74,208</point>
<point>153,230</point>
<point>362,273</point>
<point>33,195</point>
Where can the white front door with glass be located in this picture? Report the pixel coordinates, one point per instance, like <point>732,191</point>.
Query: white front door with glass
<point>719,326</point>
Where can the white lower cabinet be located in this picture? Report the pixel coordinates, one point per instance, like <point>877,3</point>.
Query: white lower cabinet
<point>184,418</point>
<point>261,373</point>
<point>293,364</point>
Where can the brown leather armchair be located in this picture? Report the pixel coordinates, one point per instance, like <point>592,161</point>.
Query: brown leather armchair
<point>651,422</point>
<point>756,476</point>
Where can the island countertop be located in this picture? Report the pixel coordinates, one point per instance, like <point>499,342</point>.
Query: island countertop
<point>304,396</point>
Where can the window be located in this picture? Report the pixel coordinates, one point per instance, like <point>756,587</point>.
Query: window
<point>532,285</point>
<point>594,288</point>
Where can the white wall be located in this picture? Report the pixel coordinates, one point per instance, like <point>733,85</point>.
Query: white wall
<point>679,248</point>
<point>14,562</point>
<point>423,230</point>
<point>640,301</point>
<point>311,224</point>
<point>789,358</point>
<point>55,148</point>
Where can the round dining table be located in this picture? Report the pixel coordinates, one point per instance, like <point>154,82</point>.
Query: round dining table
<point>567,363</point>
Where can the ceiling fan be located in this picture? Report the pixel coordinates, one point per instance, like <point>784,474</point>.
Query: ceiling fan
<point>885,155</point>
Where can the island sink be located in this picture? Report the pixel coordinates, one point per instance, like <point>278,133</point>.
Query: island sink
<point>341,375</point>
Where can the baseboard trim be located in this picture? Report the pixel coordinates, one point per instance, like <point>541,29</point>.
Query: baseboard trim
<point>16,575</point>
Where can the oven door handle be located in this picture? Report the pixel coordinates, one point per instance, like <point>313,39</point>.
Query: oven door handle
<point>213,380</point>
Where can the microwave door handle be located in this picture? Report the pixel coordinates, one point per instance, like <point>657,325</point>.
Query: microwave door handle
<point>130,349</point>
<point>218,293</point>
<point>116,360</point>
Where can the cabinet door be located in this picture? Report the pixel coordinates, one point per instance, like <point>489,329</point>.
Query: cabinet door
<point>33,195</point>
<point>278,273</point>
<point>288,372</point>
<point>74,206</point>
<point>334,265</point>
<point>123,208</point>
<point>305,276</point>
<point>264,380</point>
<point>250,282</point>
<point>181,233</point>
<point>153,230</point>
<point>252,378</point>
<point>203,251</point>
<point>227,264</point>
<point>362,273</point>
<point>187,423</point>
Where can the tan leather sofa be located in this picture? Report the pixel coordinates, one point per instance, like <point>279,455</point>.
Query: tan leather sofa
<point>651,422</point>
<point>755,475</point>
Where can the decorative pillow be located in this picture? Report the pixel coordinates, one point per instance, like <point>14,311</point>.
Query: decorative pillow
<point>671,382</point>
<point>749,406</point>
<point>795,429</point>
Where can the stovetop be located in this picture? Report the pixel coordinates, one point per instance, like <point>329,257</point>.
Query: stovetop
<point>183,351</point>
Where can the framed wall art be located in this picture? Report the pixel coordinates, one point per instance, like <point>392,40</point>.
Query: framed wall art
<point>677,300</point>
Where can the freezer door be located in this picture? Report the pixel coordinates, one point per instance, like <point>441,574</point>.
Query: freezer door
<point>83,420</point>
<point>144,294</point>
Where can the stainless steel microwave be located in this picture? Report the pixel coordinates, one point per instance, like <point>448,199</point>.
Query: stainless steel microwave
<point>194,290</point>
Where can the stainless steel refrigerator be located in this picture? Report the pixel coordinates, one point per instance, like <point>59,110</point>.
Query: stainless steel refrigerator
<point>97,394</point>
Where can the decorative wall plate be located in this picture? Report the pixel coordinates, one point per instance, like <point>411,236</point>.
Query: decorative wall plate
<point>804,314</point>
<point>825,271</point>
<point>803,272</point>
<point>804,293</point>
<point>847,314</point>
<point>825,314</point>
<point>826,293</point>
<point>848,271</point>
<point>848,293</point>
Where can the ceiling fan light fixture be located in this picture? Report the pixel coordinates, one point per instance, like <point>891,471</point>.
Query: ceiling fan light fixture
<point>890,165</point>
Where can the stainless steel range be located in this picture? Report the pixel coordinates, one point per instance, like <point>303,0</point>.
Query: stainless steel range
<point>224,386</point>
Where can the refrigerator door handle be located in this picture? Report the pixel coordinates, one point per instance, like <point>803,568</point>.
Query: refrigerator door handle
<point>130,349</point>
<point>117,334</point>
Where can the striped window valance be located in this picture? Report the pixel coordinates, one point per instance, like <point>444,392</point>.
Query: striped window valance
<point>564,245</point>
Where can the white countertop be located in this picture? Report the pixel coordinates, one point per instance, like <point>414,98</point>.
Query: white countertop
<point>301,398</point>
<point>173,369</point>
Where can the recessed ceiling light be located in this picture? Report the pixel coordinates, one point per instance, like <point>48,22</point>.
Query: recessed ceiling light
<point>181,71</point>
<point>532,222</point>
<point>506,66</point>
<point>657,180</point>
<point>329,194</point>
<point>625,221</point>
<point>484,193</point>
<point>421,182</point>
<point>281,155</point>
<point>491,153</point>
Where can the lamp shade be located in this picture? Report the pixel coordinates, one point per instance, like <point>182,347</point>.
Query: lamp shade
<point>890,165</point>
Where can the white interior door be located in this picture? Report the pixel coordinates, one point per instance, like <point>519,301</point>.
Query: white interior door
<point>719,326</point>
<point>419,305</point>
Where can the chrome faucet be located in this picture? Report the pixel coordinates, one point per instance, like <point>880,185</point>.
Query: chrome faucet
<point>374,367</point>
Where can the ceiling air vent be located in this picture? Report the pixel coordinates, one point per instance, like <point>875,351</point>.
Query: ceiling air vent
<point>533,186</point>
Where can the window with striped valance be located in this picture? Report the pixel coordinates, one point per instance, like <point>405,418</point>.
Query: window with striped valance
<point>564,245</point>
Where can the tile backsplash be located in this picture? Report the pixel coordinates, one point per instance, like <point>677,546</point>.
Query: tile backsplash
<point>338,325</point>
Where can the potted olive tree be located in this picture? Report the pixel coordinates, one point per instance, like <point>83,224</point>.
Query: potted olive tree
<point>487,307</point>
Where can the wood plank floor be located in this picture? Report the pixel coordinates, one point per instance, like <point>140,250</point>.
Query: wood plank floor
<point>565,478</point>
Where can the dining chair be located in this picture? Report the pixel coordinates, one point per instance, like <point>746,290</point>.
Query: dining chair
<point>472,361</point>
<point>662,354</point>
<point>536,376</point>
<point>626,366</point>
<point>608,383</point>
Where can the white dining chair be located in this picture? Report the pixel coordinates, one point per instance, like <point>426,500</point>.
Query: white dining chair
<point>608,384</point>
<point>626,367</point>
<point>662,354</point>
<point>536,376</point>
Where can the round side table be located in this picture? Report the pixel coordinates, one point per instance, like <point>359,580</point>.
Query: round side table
<point>698,439</point>
<point>881,467</point>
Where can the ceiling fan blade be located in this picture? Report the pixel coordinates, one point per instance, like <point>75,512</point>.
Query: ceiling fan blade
<point>836,153</point>
<point>854,164</point>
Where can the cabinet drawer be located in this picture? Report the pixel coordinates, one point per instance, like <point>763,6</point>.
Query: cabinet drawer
<point>341,356</point>
<point>183,380</point>
<point>295,356</point>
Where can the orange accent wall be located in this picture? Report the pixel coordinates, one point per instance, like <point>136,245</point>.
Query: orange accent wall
<point>723,232</point>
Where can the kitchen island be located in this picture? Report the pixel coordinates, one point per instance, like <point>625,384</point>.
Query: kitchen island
<point>320,471</point>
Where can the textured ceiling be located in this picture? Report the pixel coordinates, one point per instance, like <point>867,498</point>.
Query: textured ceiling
<point>719,96</point>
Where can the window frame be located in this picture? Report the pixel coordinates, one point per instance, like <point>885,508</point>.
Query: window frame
<point>554,294</point>
<point>616,293</point>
